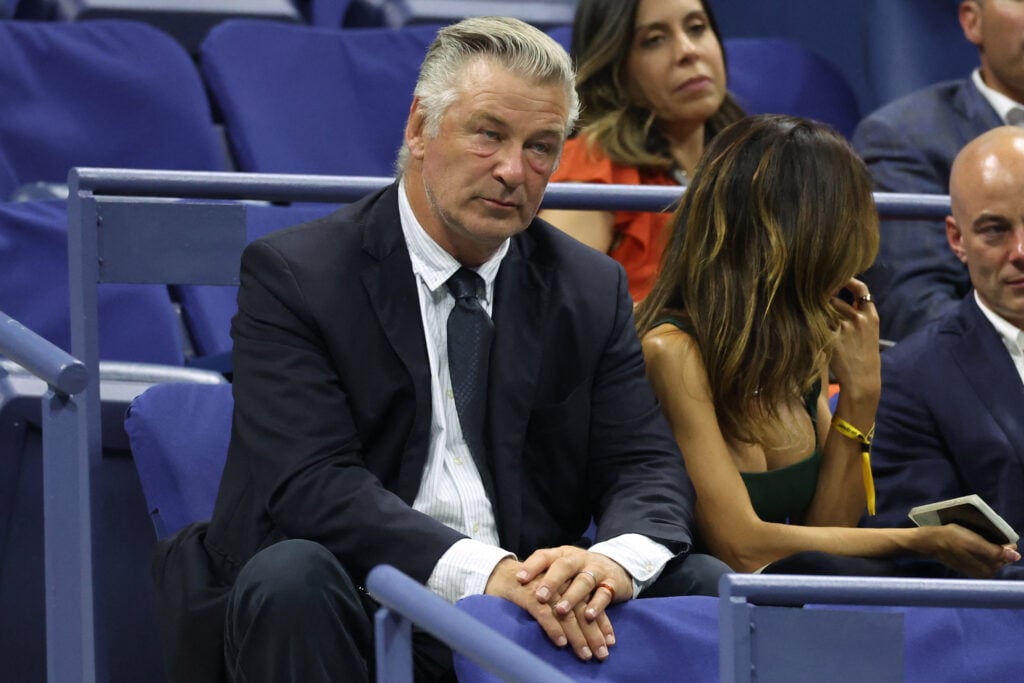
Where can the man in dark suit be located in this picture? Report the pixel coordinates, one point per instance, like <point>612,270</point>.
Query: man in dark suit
<point>353,444</point>
<point>909,146</point>
<point>951,417</point>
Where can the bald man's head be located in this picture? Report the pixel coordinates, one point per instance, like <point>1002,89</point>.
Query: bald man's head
<point>986,230</point>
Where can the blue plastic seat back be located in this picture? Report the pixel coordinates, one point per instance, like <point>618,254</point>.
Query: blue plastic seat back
<point>98,93</point>
<point>912,44</point>
<point>179,435</point>
<point>207,309</point>
<point>298,99</point>
<point>136,322</point>
<point>779,76</point>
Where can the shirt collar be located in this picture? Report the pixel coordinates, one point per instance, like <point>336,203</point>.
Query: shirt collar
<point>430,262</point>
<point>1012,336</point>
<point>1000,102</point>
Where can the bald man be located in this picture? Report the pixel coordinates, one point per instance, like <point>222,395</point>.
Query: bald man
<point>909,146</point>
<point>951,417</point>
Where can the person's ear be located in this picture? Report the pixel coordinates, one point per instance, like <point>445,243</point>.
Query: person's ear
<point>415,130</point>
<point>955,237</point>
<point>970,21</point>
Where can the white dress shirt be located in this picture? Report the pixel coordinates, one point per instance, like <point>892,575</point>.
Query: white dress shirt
<point>1012,336</point>
<point>451,490</point>
<point>1000,102</point>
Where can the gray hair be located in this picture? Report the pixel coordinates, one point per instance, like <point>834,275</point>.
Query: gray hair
<point>513,44</point>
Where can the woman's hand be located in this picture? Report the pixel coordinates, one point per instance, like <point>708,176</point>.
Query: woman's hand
<point>856,363</point>
<point>966,551</point>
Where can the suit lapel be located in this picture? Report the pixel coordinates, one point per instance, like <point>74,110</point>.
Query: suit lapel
<point>978,114</point>
<point>989,370</point>
<point>520,308</point>
<point>391,288</point>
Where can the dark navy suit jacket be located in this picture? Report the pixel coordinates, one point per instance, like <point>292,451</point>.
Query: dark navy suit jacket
<point>332,416</point>
<point>950,421</point>
<point>909,146</point>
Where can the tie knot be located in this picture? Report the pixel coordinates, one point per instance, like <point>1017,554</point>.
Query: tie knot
<point>1015,117</point>
<point>464,284</point>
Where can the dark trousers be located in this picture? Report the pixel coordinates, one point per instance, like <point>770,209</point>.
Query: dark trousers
<point>294,614</point>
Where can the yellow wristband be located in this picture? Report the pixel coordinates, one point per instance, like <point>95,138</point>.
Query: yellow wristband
<point>851,432</point>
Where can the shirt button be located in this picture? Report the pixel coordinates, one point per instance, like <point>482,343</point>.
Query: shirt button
<point>650,568</point>
<point>451,394</point>
<point>458,461</point>
<point>476,528</point>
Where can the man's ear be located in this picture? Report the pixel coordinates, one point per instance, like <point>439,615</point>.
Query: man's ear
<point>956,239</point>
<point>970,21</point>
<point>415,130</point>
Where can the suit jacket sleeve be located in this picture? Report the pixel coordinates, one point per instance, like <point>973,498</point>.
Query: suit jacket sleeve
<point>916,278</point>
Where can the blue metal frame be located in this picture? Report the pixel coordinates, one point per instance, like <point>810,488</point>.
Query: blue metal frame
<point>740,594</point>
<point>407,602</point>
<point>69,610</point>
<point>106,207</point>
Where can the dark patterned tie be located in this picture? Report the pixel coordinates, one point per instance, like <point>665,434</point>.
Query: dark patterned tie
<point>470,331</point>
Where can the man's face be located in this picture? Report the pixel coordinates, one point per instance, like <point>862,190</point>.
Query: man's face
<point>482,177</point>
<point>986,231</point>
<point>997,28</point>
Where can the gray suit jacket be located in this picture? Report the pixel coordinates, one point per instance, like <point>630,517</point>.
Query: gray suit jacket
<point>909,146</point>
<point>950,421</point>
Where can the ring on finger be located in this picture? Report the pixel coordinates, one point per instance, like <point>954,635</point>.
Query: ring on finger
<point>608,587</point>
<point>865,299</point>
<point>590,574</point>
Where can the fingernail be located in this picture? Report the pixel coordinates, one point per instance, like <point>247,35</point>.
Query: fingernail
<point>585,653</point>
<point>563,606</point>
<point>560,641</point>
<point>609,639</point>
<point>591,613</point>
<point>1012,555</point>
<point>543,592</point>
<point>602,652</point>
<point>522,575</point>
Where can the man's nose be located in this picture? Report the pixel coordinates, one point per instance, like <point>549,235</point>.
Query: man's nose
<point>510,169</point>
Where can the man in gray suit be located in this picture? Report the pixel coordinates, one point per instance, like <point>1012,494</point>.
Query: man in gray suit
<point>909,146</point>
<point>951,417</point>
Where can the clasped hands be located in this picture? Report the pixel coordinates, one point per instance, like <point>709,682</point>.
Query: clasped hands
<point>566,590</point>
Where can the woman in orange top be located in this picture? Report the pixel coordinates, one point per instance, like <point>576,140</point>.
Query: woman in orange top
<point>651,79</point>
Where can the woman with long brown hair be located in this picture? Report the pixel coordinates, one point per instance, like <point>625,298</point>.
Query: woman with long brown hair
<point>740,333</point>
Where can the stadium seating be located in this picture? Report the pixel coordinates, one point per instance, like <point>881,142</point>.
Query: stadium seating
<point>779,76</point>
<point>187,21</point>
<point>297,99</point>
<point>102,93</point>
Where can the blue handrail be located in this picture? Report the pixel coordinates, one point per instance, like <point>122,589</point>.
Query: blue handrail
<point>335,189</point>
<point>461,632</point>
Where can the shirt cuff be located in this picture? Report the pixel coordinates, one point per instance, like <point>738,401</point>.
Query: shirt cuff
<point>642,558</point>
<point>464,569</point>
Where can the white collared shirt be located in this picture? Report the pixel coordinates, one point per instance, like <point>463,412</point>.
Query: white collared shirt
<point>1000,102</point>
<point>451,490</point>
<point>1012,336</point>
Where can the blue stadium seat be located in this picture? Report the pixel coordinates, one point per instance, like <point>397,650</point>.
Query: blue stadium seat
<point>297,99</point>
<point>179,437</point>
<point>779,76</point>
<point>914,43</point>
<point>541,13</point>
<point>188,21</point>
<point>102,93</point>
<point>137,322</point>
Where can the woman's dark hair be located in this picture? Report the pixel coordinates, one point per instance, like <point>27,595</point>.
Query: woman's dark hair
<point>602,35</point>
<point>778,217</point>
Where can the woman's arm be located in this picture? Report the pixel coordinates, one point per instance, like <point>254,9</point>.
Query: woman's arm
<point>725,517</point>
<point>856,364</point>
<point>594,228</point>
